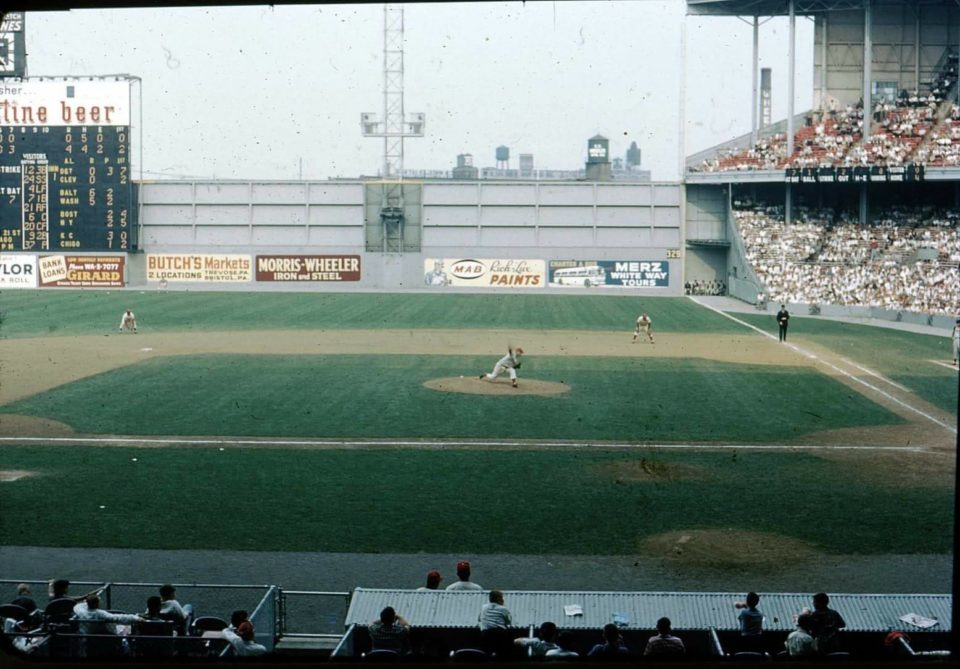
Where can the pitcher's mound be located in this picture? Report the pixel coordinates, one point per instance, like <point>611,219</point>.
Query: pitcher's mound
<point>727,548</point>
<point>471,385</point>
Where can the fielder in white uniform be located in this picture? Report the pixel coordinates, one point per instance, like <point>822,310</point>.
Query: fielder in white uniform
<point>509,362</point>
<point>643,325</point>
<point>128,321</point>
<point>956,341</point>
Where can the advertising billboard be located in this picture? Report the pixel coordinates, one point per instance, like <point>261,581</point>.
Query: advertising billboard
<point>605,273</point>
<point>484,272</point>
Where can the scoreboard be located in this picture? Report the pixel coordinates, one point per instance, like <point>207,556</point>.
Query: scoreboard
<point>65,181</point>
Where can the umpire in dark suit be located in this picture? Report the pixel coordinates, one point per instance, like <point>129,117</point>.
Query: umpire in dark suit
<point>783,318</point>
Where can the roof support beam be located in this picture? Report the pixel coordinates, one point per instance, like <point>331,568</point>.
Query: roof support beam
<point>791,75</point>
<point>867,69</point>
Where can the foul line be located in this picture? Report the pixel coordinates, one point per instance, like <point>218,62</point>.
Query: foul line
<point>810,355</point>
<point>943,364</point>
<point>426,443</point>
<point>875,374</point>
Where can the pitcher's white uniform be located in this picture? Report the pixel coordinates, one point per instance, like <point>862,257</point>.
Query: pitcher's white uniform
<point>129,321</point>
<point>643,325</point>
<point>508,362</point>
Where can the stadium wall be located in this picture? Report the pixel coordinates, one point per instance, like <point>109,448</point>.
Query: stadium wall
<point>509,220</point>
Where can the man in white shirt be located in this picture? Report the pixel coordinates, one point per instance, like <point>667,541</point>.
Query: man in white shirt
<point>495,621</point>
<point>94,620</point>
<point>510,362</point>
<point>463,573</point>
<point>643,325</point>
<point>540,646</point>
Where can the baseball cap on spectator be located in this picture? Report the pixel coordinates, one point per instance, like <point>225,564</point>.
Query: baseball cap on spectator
<point>433,579</point>
<point>463,570</point>
<point>245,630</point>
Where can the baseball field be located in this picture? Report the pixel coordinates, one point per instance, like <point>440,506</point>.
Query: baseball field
<point>356,423</point>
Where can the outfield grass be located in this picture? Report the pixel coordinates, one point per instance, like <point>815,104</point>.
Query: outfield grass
<point>452,501</point>
<point>901,356</point>
<point>31,313</point>
<point>632,399</point>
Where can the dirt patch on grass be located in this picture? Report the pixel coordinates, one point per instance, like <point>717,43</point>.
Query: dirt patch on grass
<point>17,425</point>
<point>646,470</point>
<point>895,469</point>
<point>725,548</point>
<point>474,386</point>
<point>10,475</point>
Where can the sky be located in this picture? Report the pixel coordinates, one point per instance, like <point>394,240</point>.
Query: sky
<point>260,92</point>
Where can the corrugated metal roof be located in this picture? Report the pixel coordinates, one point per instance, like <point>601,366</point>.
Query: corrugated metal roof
<point>687,610</point>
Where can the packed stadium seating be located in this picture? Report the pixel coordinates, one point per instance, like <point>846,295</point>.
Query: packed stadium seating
<point>922,128</point>
<point>907,259</point>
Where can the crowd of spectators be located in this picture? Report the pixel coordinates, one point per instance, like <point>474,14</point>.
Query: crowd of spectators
<point>906,259</point>
<point>818,631</point>
<point>705,287</point>
<point>918,127</point>
<point>94,632</point>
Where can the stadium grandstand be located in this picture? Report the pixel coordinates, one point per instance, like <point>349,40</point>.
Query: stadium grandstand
<point>854,202</point>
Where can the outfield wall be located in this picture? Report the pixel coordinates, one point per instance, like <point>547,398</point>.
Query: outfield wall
<point>553,223</point>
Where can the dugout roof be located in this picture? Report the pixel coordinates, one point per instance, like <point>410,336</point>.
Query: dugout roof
<point>688,610</point>
<point>782,7</point>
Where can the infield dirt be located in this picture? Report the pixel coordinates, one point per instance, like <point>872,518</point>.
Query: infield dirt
<point>34,365</point>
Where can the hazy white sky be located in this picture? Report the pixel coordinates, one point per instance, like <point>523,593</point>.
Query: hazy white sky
<point>249,92</point>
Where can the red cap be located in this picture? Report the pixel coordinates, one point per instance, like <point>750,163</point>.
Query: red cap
<point>463,565</point>
<point>245,630</point>
<point>434,578</point>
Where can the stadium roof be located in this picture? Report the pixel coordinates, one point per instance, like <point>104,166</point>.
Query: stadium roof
<point>782,7</point>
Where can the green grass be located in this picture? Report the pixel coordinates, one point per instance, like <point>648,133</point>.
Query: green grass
<point>635,399</point>
<point>901,356</point>
<point>31,313</point>
<point>449,501</point>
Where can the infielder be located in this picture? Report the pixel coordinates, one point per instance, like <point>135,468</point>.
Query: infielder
<point>956,341</point>
<point>128,321</point>
<point>509,362</point>
<point>643,325</point>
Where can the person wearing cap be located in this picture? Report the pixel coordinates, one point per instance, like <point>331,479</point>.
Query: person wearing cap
<point>242,640</point>
<point>128,321</point>
<point>433,581</point>
<point>463,573</point>
<point>510,362</point>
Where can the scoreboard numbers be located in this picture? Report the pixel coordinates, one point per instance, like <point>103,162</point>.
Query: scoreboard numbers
<point>64,180</point>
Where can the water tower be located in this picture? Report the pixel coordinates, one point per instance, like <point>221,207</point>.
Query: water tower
<point>598,158</point>
<point>503,157</point>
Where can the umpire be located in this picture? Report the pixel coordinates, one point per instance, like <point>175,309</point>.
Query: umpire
<point>783,318</point>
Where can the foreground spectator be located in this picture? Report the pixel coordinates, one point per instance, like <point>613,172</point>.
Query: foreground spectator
<point>171,609</point>
<point>495,622</point>
<point>57,589</point>
<point>464,582</point>
<point>24,599</point>
<point>433,581</point>
<point>664,644</point>
<point>94,620</point>
<point>613,647</point>
<point>544,641</point>
<point>13,631</point>
<point>751,623</point>
<point>800,643</point>
<point>825,624</point>
<point>564,646</point>
<point>390,632</point>
<point>242,640</point>
<point>153,612</point>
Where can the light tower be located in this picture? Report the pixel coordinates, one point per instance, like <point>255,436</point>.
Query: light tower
<point>393,126</point>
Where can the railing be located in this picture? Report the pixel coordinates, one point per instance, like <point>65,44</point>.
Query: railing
<point>325,612</point>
